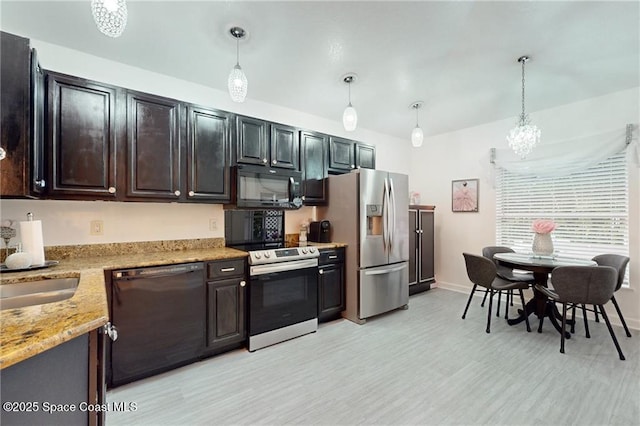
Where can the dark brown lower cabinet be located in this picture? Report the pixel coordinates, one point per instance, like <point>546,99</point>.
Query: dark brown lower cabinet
<point>226,313</point>
<point>331,299</point>
<point>60,386</point>
<point>421,248</point>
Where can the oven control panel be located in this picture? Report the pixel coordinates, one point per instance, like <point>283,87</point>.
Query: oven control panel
<point>260,257</point>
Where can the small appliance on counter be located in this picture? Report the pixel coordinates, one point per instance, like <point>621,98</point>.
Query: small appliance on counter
<point>319,231</point>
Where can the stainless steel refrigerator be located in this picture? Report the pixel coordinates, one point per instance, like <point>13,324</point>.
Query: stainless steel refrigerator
<point>369,211</point>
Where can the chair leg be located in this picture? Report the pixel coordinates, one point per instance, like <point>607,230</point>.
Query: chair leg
<point>573,318</point>
<point>464,314</point>
<point>564,325</point>
<point>613,336</point>
<point>511,294</point>
<point>499,297</point>
<point>586,322</point>
<point>506,305</point>
<point>541,319</point>
<point>486,291</point>
<point>595,311</point>
<point>489,311</point>
<point>624,324</point>
<point>526,317</point>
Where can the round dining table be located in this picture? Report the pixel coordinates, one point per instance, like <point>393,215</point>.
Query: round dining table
<point>541,266</point>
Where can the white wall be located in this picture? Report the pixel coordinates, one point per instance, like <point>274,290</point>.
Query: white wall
<point>464,154</point>
<point>67,222</point>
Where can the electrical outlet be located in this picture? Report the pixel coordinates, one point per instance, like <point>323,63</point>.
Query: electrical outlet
<point>213,225</point>
<point>96,227</point>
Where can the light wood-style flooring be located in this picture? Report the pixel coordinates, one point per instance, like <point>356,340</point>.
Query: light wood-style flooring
<point>424,365</point>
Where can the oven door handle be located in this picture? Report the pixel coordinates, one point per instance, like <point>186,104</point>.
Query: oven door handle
<point>294,265</point>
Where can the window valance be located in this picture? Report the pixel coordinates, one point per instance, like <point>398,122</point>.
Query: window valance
<point>565,157</point>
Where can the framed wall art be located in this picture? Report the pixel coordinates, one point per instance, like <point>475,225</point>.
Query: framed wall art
<point>464,195</point>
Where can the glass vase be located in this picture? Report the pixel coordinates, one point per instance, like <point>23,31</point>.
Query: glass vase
<point>542,245</point>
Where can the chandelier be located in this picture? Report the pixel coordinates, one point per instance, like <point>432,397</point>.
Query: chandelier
<point>110,16</point>
<point>525,136</point>
<point>417,135</point>
<point>237,82</point>
<point>349,116</point>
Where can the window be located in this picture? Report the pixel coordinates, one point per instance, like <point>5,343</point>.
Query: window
<point>590,208</point>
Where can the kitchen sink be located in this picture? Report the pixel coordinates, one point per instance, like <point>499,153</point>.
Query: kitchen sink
<point>36,292</point>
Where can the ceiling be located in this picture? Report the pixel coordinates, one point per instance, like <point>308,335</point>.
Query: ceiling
<point>458,57</point>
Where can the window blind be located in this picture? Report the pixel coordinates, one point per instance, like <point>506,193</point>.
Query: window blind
<point>590,208</point>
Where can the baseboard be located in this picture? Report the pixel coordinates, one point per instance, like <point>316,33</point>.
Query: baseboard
<point>632,323</point>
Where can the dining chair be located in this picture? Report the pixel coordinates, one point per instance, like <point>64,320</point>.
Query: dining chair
<point>483,272</point>
<point>585,285</point>
<point>506,273</point>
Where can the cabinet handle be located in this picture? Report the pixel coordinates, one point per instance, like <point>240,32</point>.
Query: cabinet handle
<point>333,257</point>
<point>227,269</point>
<point>3,153</point>
<point>321,271</point>
<point>353,166</point>
<point>191,193</point>
<point>112,190</point>
<point>274,162</point>
<point>421,231</point>
<point>177,193</point>
<point>264,160</point>
<point>243,283</point>
<point>303,198</point>
<point>40,183</point>
<point>111,331</point>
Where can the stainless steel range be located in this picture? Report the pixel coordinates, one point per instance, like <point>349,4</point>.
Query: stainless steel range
<point>283,294</point>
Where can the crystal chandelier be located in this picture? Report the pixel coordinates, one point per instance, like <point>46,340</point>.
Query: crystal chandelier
<point>417,135</point>
<point>110,16</point>
<point>237,82</point>
<point>525,136</point>
<point>349,116</point>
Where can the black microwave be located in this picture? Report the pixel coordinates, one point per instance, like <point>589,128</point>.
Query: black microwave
<point>259,187</point>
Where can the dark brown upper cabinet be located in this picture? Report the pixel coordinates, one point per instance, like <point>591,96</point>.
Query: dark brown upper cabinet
<point>80,138</point>
<point>15,115</point>
<point>268,144</point>
<point>208,154</point>
<point>341,155</point>
<point>313,162</point>
<point>365,156</point>
<point>153,147</point>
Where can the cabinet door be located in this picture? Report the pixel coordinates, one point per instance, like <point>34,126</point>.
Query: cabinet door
<point>225,312</point>
<point>330,291</point>
<point>414,250</point>
<point>285,147</point>
<point>341,154</point>
<point>365,156</point>
<point>427,271</point>
<point>81,138</point>
<point>14,115</point>
<point>313,161</point>
<point>251,145</point>
<point>153,142</point>
<point>208,155</point>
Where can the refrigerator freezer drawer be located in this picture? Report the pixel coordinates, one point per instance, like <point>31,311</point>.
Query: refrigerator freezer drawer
<point>383,289</point>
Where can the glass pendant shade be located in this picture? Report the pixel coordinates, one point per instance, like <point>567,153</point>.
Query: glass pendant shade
<point>417,137</point>
<point>350,118</point>
<point>110,16</point>
<point>237,84</point>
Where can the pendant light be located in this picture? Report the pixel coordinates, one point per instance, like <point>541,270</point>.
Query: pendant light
<point>110,16</point>
<point>417,135</point>
<point>525,136</point>
<point>237,82</point>
<point>350,116</point>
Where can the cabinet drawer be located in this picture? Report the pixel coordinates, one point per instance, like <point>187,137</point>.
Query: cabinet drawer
<point>328,256</point>
<point>225,268</point>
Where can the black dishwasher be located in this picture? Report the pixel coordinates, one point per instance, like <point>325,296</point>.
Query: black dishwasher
<point>159,313</point>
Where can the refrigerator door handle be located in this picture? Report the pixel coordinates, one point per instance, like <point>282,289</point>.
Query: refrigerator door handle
<point>392,216</point>
<point>385,216</point>
<point>386,271</point>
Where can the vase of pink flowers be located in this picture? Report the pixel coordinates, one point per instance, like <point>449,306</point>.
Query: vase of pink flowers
<point>542,243</point>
